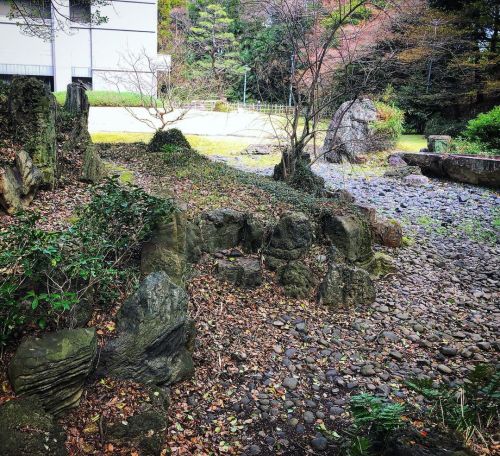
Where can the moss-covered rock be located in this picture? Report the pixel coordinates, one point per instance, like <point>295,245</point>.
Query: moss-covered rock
<point>241,271</point>
<point>171,137</point>
<point>54,367</point>
<point>32,110</point>
<point>297,279</point>
<point>27,430</point>
<point>350,233</point>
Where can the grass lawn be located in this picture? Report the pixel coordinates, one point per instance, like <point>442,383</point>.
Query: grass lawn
<point>120,137</point>
<point>105,98</point>
<point>411,143</point>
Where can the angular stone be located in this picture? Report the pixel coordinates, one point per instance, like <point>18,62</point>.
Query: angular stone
<point>54,367</point>
<point>402,171</point>
<point>154,335</point>
<point>26,429</point>
<point>242,271</point>
<point>291,237</point>
<point>350,233</point>
<point>439,143</point>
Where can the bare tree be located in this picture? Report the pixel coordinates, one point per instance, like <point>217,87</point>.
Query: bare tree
<point>162,102</point>
<point>324,40</point>
<point>44,18</point>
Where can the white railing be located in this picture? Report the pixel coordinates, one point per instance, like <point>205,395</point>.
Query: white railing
<point>26,70</point>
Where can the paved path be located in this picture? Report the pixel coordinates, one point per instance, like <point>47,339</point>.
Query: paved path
<point>205,123</point>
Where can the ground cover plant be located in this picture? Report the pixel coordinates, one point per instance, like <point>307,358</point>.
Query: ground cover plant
<point>46,274</point>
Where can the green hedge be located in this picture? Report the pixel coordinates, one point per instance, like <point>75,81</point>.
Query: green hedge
<point>485,128</point>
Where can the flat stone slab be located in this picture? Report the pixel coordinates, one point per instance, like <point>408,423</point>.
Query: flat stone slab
<point>460,168</point>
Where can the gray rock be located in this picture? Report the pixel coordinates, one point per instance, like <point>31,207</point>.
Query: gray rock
<point>309,417</point>
<point>448,351</point>
<point>349,132</point>
<point>53,368</point>
<point>319,443</point>
<point>242,271</point>
<point>416,180</point>
<point>297,279</point>
<point>26,429</point>
<point>154,335</point>
<point>444,369</point>
<point>290,383</point>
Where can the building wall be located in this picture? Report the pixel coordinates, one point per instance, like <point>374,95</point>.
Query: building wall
<point>101,52</point>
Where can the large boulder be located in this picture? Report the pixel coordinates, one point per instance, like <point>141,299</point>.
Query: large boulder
<point>292,236</point>
<point>387,232</point>
<point>241,271</point>
<point>32,110</point>
<point>439,143</point>
<point>349,132</point>
<point>350,233</point>
<point>345,285</point>
<point>53,368</point>
<point>19,183</point>
<point>166,249</point>
<point>154,335</point>
<point>26,429</point>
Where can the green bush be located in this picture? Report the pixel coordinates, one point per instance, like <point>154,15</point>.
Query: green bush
<point>485,128</point>
<point>221,106</point>
<point>389,126</point>
<point>469,147</point>
<point>172,137</point>
<point>44,274</point>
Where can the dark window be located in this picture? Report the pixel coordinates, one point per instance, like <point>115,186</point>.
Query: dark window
<point>35,9</point>
<point>79,11</point>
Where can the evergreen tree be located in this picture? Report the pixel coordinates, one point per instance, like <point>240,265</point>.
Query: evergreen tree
<point>215,49</point>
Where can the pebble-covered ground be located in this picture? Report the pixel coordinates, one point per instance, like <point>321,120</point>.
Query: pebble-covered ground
<point>436,317</point>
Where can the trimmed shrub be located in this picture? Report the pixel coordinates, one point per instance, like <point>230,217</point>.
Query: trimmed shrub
<point>463,146</point>
<point>485,128</point>
<point>171,137</point>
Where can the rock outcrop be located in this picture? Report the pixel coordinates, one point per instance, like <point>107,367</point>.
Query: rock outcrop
<point>345,285</point>
<point>32,111</point>
<point>27,429</point>
<point>349,132</point>
<point>53,368</point>
<point>154,335</point>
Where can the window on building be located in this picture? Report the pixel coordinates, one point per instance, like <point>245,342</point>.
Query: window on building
<point>79,11</point>
<point>33,9</point>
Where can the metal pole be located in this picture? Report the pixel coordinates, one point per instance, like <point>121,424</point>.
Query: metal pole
<point>245,89</point>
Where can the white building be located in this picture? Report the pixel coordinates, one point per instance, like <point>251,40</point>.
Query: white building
<point>98,55</point>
